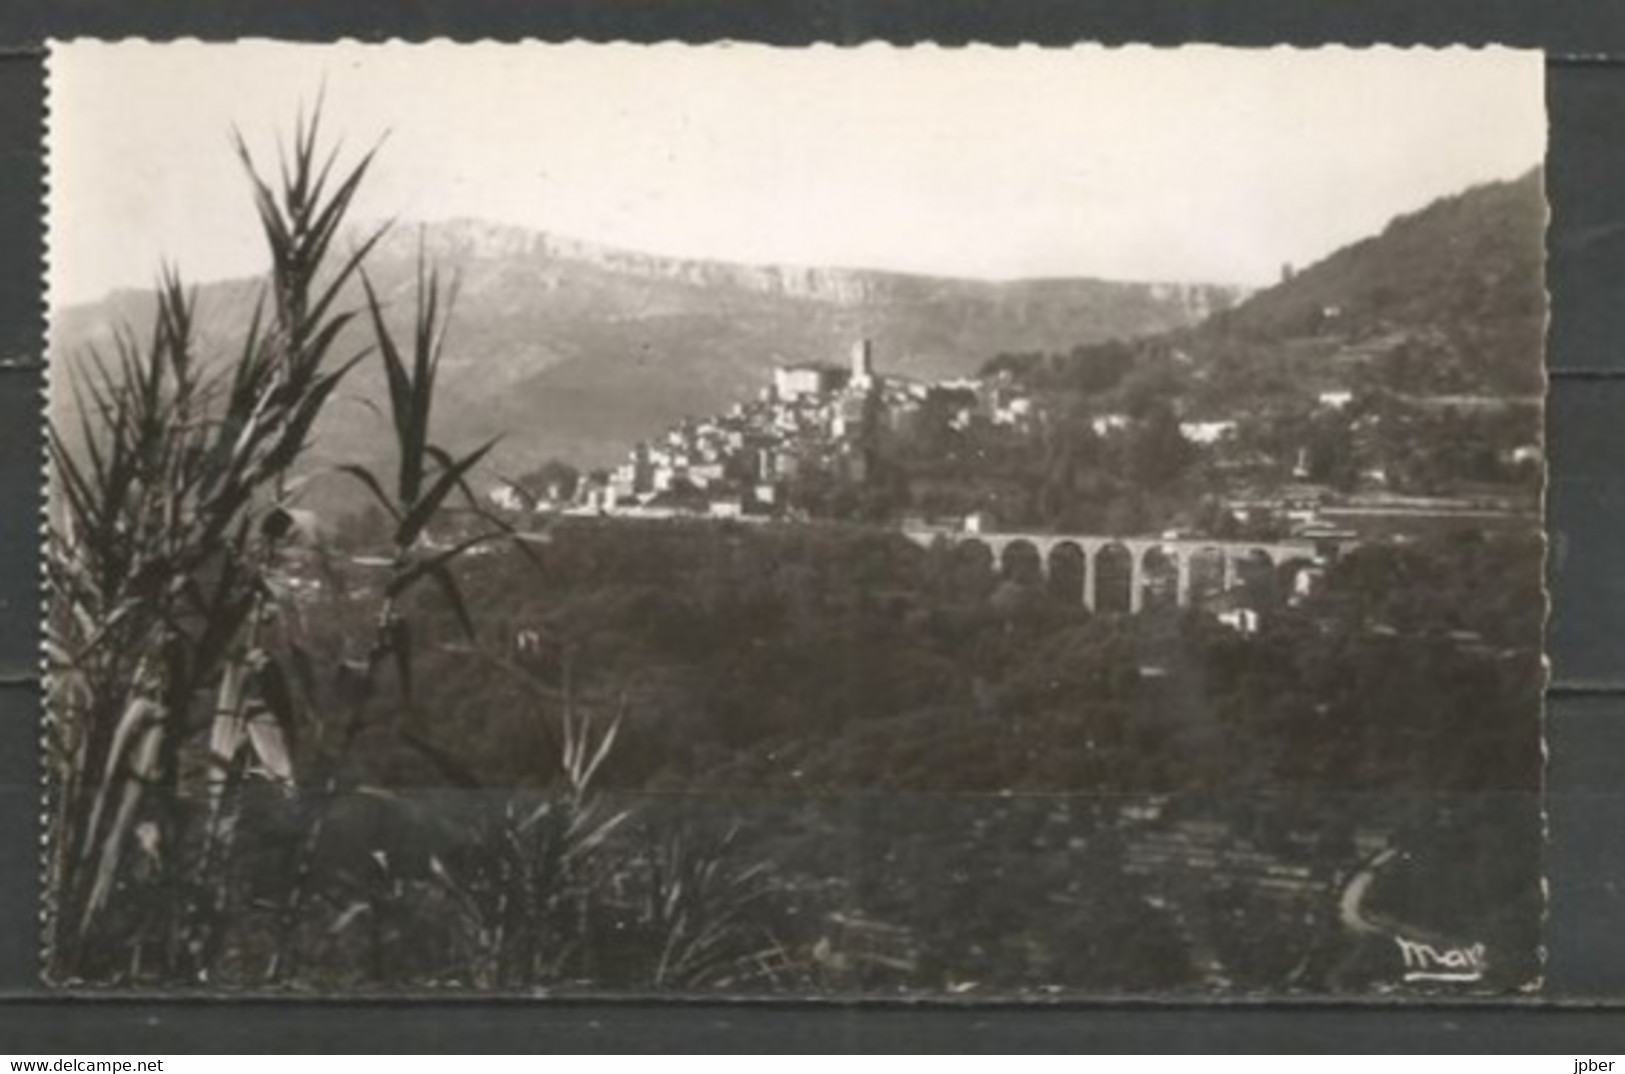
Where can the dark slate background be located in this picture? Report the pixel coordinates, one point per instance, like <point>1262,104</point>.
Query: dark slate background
<point>1581,1008</point>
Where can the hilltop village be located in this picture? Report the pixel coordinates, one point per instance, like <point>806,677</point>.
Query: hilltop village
<point>815,417</point>
<point>826,424</point>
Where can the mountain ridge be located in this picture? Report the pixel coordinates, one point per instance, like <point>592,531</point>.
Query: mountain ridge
<point>837,282</point>
<point>575,349</point>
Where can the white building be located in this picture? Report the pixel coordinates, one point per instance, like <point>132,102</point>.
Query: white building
<point>1206,432</point>
<point>1013,411</point>
<point>793,382</point>
<point>506,498</point>
<point>1241,620</point>
<point>706,474</point>
<point>1105,424</point>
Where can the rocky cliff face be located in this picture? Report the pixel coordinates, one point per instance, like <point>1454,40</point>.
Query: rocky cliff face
<point>553,258</point>
<point>575,349</point>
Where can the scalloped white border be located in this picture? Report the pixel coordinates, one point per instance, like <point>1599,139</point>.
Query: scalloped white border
<point>47,911</point>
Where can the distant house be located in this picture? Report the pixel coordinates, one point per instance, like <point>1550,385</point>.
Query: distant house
<point>635,476</point>
<point>1014,411</point>
<point>1104,424</point>
<point>595,497</point>
<point>507,498</point>
<point>804,379</point>
<point>1306,581</point>
<point>706,474</point>
<point>1206,432</point>
<point>1234,609</point>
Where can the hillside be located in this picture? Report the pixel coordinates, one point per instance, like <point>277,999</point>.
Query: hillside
<point>576,350</point>
<point>1472,257</point>
<point>1448,301</point>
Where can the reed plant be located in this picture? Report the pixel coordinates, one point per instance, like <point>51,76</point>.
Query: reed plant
<point>174,519</point>
<point>206,771</point>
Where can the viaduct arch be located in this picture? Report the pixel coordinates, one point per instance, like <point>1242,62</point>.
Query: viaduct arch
<point>1200,567</point>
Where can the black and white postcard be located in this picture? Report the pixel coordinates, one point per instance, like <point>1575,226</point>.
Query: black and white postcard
<point>828,523</point>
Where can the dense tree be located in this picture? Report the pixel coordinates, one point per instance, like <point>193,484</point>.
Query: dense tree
<point>1158,450</point>
<point>554,479</point>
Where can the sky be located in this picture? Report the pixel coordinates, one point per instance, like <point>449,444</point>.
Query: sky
<point>1194,164</point>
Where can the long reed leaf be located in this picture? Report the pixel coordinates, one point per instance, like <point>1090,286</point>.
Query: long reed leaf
<point>418,515</point>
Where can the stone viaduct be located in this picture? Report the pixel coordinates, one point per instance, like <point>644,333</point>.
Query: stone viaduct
<point>1193,569</point>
